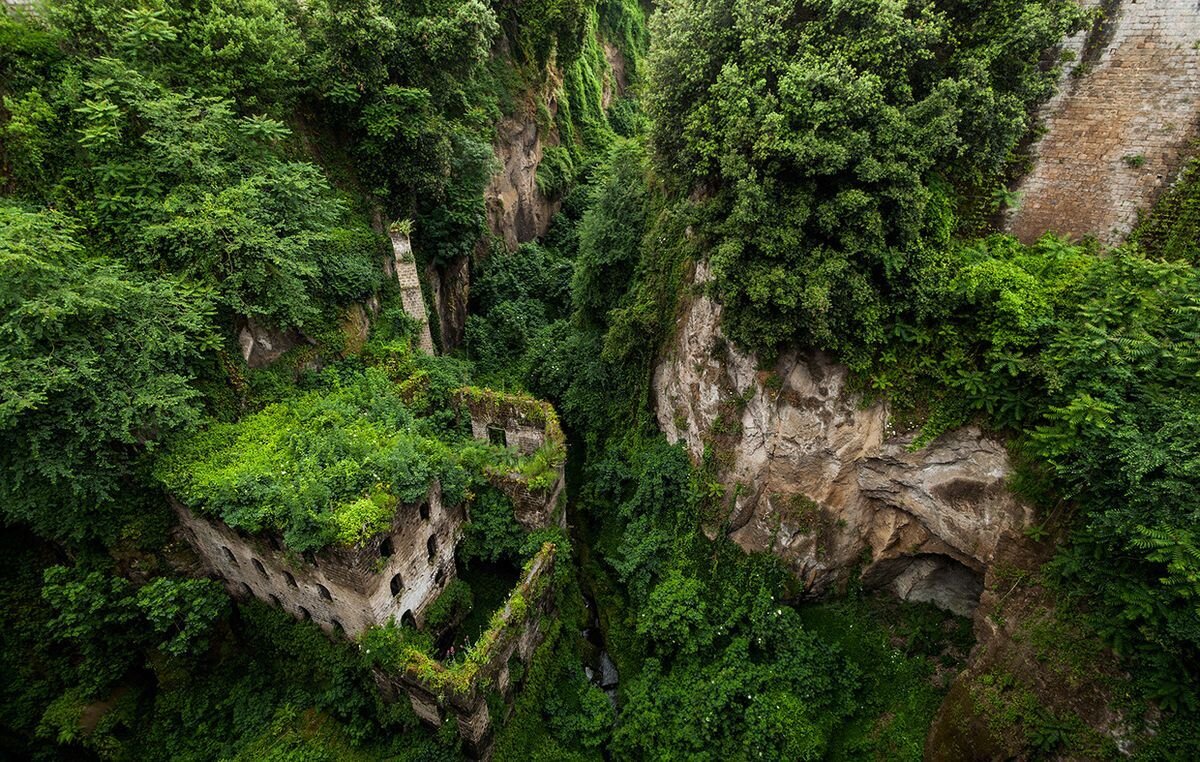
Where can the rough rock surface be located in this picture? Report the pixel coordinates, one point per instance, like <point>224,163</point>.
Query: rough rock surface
<point>816,477</point>
<point>1025,648</point>
<point>450,288</point>
<point>616,80</point>
<point>516,210</point>
<point>262,345</point>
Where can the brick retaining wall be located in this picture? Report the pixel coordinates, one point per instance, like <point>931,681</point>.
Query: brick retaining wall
<point>1121,127</point>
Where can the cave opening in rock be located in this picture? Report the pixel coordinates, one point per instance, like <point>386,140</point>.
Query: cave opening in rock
<point>929,578</point>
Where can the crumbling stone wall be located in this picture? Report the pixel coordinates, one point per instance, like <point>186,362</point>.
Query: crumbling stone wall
<point>396,574</point>
<point>437,696</point>
<point>527,425</point>
<point>405,265</point>
<point>1121,126</point>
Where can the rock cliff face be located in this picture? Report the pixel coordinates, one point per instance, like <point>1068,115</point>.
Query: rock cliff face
<point>816,476</point>
<point>516,210</point>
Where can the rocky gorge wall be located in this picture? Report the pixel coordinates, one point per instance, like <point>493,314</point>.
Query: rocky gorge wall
<point>818,478</point>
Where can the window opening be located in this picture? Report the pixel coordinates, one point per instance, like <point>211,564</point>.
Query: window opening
<point>497,436</point>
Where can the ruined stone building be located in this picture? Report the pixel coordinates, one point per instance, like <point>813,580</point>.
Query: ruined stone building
<point>396,574</point>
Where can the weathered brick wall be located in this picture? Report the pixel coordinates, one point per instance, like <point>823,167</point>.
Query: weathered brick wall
<point>358,580</point>
<point>410,286</point>
<point>1121,126</point>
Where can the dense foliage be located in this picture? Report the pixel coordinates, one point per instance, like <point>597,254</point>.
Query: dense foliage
<point>95,361</point>
<point>830,135</point>
<point>836,147</point>
<point>174,172</point>
<point>329,466</point>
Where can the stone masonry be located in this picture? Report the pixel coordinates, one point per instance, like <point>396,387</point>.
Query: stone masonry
<point>459,692</point>
<point>395,574</point>
<point>527,425</point>
<point>1121,126</point>
<point>410,286</point>
<point>398,573</point>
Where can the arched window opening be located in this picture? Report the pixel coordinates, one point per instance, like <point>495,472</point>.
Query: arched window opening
<point>275,599</point>
<point>337,626</point>
<point>431,547</point>
<point>397,585</point>
<point>304,613</point>
<point>440,576</point>
<point>408,620</point>
<point>385,548</point>
<point>273,541</point>
<point>423,509</point>
<point>324,592</point>
<point>261,569</point>
<point>229,555</point>
<point>247,590</point>
<point>290,579</point>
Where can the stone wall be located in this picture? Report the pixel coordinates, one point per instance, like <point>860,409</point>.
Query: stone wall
<point>459,693</point>
<point>405,265</point>
<point>1121,126</point>
<point>395,574</point>
<point>527,425</point>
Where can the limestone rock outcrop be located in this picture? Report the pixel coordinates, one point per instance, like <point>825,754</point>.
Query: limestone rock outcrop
<point>516,210</point>
<point>262,345</point>
<point>814,474</point>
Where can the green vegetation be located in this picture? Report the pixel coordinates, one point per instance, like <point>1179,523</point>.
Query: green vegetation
<point>329,466</point>
<point>97,360</point>
<point>175,172</point>
<point>833,139</point>
<point>395,648</point>
<point>834,147</point>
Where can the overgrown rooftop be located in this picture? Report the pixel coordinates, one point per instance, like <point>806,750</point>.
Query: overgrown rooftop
<point>332,465</point>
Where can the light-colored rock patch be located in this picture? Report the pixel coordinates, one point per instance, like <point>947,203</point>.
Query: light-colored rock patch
<point>814,475</point>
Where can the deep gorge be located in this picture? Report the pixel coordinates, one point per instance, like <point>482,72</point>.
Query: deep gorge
<point>599,379</point>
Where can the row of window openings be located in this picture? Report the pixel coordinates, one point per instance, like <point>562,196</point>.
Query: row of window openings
<point>262,570</point>
<point>305,614</point>
<point>397,583</point>
<point>386,549</point>
<point>407,619</point>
